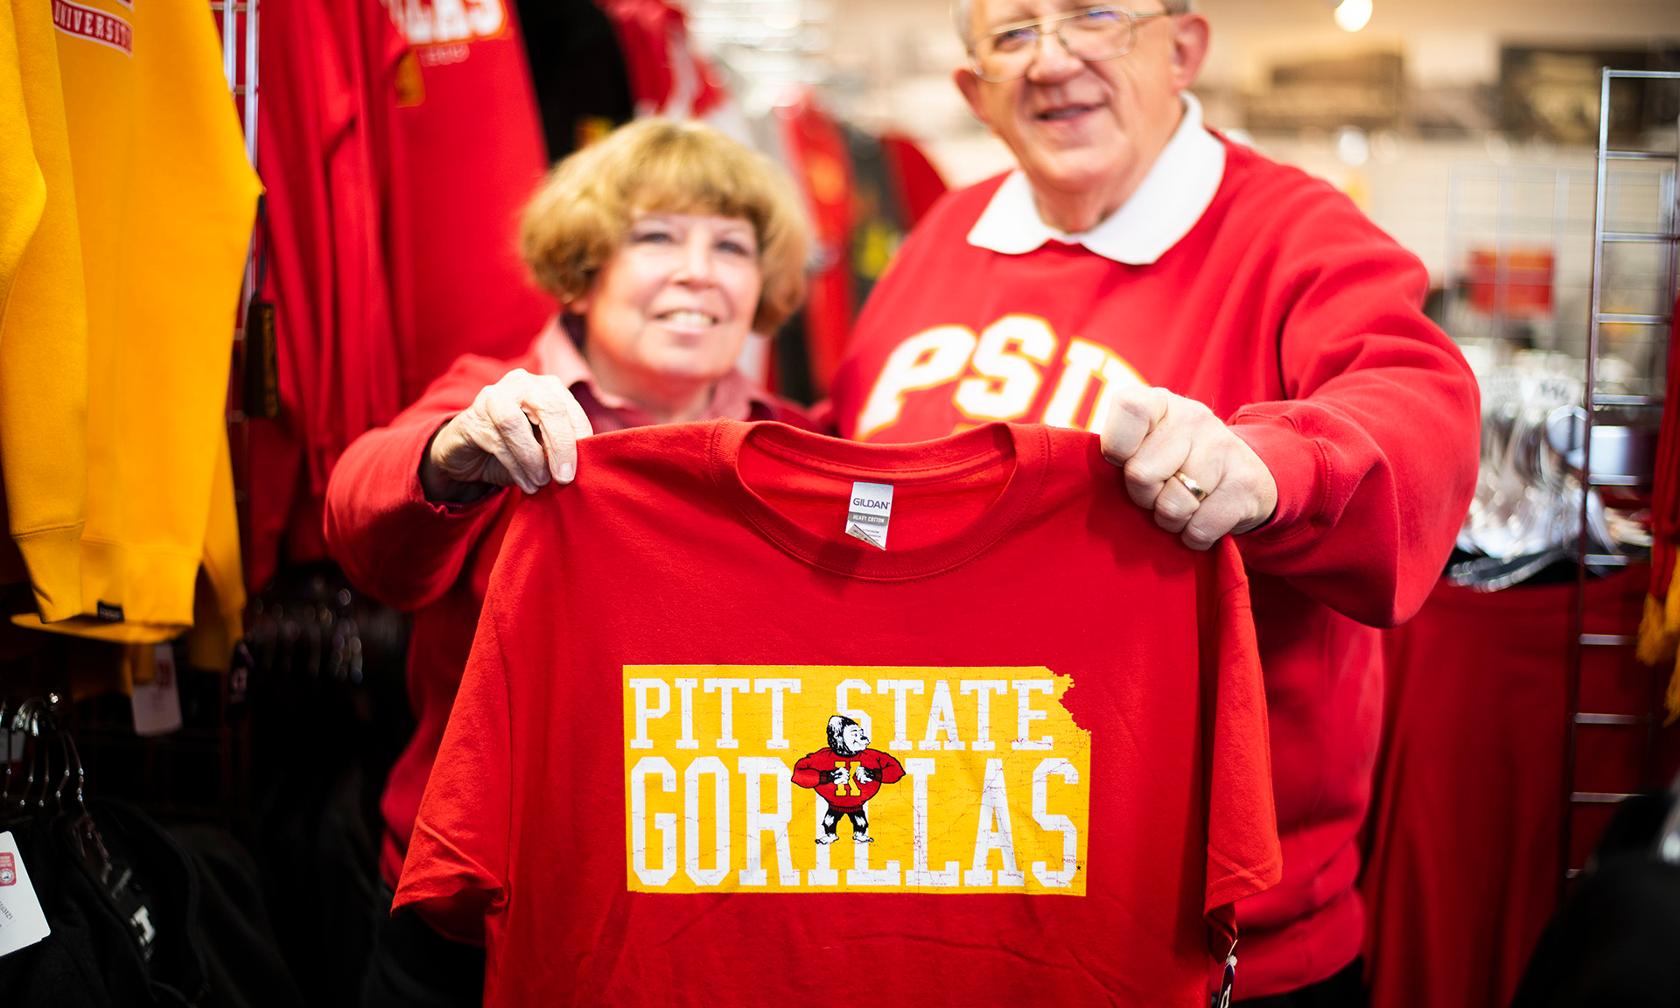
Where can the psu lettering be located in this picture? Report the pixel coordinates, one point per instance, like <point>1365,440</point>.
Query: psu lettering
<point>999,374</point>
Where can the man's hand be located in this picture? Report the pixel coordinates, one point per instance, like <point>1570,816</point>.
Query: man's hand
<point>1183,463</point>
<point>863,775</point>
<point>842,776</point>
<point>520,431</point>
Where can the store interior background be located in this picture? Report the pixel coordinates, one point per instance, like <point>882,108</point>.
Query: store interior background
<point>1467,131</point>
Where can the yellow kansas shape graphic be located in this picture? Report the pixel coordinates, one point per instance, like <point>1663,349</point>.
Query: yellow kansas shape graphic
<point>829,778</point>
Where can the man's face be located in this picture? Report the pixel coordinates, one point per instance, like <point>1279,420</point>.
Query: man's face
<point>1087,130</point>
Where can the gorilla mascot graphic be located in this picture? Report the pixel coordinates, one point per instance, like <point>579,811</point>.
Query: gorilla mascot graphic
<point>847,774</point>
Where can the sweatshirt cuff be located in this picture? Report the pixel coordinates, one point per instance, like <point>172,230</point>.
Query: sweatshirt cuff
<point>1295,463</point>
<point>451,510</point>
<point>417,490</point>
<point>53,558</point>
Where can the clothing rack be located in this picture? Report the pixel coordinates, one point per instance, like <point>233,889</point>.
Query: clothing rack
<point>1666,236</point>
<point>239,22</point>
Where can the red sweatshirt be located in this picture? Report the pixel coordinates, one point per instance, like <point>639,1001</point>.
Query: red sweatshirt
<point>1294,318</point>
<point>435,559</point>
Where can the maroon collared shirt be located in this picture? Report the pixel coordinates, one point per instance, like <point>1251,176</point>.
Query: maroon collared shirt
<point>735,397</point>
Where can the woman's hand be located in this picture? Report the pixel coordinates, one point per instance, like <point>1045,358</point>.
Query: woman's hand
<point>519,432</point>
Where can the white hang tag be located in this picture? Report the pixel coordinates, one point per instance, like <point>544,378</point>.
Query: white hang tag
<point>22,922</point>
<point>869,512</point>
<point>1223,998</point>
<point>157,704</point>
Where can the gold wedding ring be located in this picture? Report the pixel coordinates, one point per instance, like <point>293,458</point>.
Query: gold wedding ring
<point>1196,489</point>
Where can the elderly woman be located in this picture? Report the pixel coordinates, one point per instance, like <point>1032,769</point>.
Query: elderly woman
<point>665,244</point>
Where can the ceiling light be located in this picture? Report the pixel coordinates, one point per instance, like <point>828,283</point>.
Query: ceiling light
<point>1352,15</point>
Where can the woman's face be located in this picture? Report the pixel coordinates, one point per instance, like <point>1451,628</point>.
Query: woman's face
<point>672,307</point>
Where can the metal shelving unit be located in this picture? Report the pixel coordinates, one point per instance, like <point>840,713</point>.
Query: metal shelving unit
<point>1665,239</point>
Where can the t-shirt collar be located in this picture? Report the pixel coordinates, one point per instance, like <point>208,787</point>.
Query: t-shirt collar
<point>1013,460</point>
<point>1172,198</point>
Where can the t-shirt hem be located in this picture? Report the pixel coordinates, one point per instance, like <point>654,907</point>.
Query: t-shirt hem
<point>1242,881</point>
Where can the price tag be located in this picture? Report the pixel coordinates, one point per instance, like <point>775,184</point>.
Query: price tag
<point>22,922</point>
<point>157,704</point>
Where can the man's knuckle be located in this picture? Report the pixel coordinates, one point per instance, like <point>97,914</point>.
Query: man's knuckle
<point>1145,473</point>
<point>1167,523</point>
<point>1136,410</point>
<point>1245,486</point>
<point>1200,538</point>
<point>1203,533</point>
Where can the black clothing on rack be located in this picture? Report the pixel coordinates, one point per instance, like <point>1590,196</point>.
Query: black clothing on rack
<point>151,930</point>
<point>1617,939</point>
<point>578,71</point>
<point>413,966</point>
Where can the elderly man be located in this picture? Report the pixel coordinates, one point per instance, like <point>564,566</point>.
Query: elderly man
<point>1249,348</point>
<point>1251,351</point>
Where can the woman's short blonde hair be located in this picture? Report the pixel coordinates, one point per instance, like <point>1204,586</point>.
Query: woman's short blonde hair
<point>582,211</point>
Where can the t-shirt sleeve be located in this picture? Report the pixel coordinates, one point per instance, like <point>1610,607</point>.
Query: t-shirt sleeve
<point>1243,855</point>
<point>455,873</point>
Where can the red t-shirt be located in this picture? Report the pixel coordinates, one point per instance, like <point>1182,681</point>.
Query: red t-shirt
<point>467,152</point>
<point>327,73</point>
<point>1074,698</point>
<point>1297,321</point>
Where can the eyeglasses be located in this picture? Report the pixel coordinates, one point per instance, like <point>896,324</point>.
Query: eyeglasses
<point>1090,34</point>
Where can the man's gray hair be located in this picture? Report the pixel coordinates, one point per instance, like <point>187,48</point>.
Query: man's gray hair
<point>962,12</point>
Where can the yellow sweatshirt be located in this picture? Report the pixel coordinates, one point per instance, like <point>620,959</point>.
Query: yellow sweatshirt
<point>43,320</point>
<point>165,198</point>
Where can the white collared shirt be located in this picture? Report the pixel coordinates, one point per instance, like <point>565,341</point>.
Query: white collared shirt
<point>1172,198</point>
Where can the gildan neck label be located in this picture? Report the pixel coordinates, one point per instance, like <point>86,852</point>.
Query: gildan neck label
<point>869,512</point>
